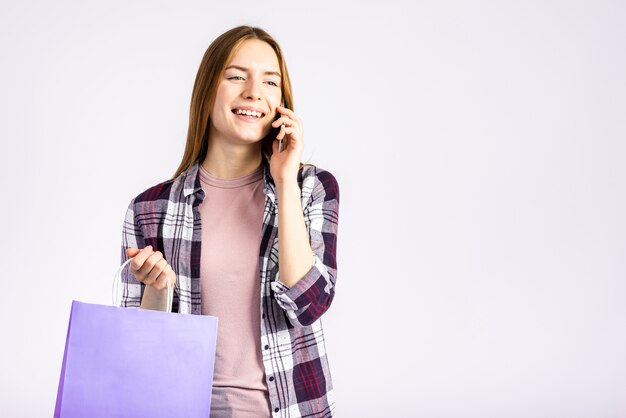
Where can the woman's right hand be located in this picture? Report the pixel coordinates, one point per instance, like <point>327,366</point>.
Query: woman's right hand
<point>150,268</point>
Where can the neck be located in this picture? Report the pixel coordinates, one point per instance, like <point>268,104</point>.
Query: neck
<point>230,161</point>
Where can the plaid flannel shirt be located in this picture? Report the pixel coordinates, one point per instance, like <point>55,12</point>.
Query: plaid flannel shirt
<point>167,217</point>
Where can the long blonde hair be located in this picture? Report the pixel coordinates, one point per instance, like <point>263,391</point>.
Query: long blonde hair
<point>215,59</point>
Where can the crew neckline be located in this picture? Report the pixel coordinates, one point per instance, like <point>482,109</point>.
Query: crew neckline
<point>232,183</point>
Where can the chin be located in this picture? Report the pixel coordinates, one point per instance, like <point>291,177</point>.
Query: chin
<point>250,139</point>
<point>254,137</point>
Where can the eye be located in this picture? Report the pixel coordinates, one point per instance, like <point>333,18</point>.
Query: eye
<point>273,83</point>
<point>234,77</point>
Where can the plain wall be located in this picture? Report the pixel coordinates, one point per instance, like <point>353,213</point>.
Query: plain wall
<point>479,148</point>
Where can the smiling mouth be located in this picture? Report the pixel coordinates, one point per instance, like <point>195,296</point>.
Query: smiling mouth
<point>249,113</point>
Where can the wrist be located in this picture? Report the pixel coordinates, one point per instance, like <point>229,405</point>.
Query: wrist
<point>286,185</point>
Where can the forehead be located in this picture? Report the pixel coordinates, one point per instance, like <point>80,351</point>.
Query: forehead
<point>254,53</point>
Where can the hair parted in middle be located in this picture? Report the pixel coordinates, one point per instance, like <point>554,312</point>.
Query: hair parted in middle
<point>214,61</point>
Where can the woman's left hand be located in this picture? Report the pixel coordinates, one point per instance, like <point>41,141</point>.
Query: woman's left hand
<point>284,165</point>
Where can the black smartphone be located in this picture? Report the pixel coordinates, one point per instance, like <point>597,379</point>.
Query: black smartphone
<point>276,131</point>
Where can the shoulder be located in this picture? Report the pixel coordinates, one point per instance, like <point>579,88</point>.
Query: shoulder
<point>157,198</point>
<point>150,205</point>
<point>157,192</point>
<point>318,180</point>
<point>320,174</point>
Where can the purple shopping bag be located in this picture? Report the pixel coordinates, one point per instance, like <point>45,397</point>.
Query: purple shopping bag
<point>128,362</point>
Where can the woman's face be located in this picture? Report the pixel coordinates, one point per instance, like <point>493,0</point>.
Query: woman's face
<point>250,82</point>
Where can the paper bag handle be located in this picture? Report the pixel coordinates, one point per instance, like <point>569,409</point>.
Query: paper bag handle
<point>118,277</point>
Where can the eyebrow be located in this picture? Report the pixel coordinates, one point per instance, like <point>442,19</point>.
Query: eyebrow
<point>246,70</point>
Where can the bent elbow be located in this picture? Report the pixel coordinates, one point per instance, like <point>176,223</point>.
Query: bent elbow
<point>312,312</point>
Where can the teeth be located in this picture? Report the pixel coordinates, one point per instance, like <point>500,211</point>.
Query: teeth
<point>248,113</point>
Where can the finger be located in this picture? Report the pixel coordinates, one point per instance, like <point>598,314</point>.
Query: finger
<point>150,262</point>
<point>140,258</point>
<point>285,120</point>
<point>132,251</point>
<point>290,115</point>
<point>289,131</point>
<point>286,111</point>
<point>167,275</point>
<point>281,121</point>
<point>277,147</point>
<point>156,271</point>
<point>281,133</point>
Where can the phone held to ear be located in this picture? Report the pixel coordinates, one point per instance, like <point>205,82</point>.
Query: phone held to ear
<point>280,141</point>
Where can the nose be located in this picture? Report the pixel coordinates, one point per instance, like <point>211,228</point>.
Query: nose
<point>253,90</point>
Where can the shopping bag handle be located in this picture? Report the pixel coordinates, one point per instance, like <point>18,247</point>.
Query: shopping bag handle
<point>118,277</point>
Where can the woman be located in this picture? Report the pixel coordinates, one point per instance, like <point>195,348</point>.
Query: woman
<point>246,233</point>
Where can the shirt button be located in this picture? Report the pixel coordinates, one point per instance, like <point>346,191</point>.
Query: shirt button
<point>271,378</point>
<point>267,346</point>
<point>276,409</point>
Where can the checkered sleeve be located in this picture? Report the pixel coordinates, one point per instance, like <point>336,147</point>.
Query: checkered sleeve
<point>308,299</point>
<point>132,289</point>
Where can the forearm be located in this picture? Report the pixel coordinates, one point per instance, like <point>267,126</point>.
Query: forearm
<point>294,250</point>
<point>154,299</point>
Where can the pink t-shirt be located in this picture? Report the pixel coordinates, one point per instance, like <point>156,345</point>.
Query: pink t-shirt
<point>232,218</point>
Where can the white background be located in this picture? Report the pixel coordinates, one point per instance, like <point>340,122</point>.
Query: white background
<point>480,152</point>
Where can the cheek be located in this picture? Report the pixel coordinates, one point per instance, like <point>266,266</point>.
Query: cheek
<point>215,118</point>
<point>223,96</point>
<point>267,128</point>
<point>274,99</point>
<point>218,113</point>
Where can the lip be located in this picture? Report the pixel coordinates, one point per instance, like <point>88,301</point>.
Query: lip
<point>248,119</point>
<point>256,109</point>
